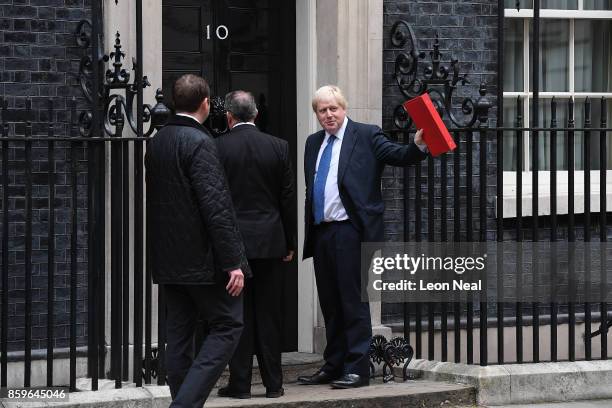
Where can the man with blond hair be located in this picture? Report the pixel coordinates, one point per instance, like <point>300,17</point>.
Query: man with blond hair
<point>343,165</point>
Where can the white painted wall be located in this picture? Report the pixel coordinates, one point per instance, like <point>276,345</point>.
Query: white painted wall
<point>306,56</point>
<point>121,18</point>
<point>338,42</point>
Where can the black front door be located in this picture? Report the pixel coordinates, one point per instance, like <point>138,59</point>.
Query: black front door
<point>240,44</point>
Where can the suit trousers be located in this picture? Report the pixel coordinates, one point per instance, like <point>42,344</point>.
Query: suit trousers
<point>261,335</point>
<point>348,326</point>
<point>191,379</point>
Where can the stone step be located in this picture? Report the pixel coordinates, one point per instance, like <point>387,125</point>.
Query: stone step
<point>420,393</point>
<point>295,364</point>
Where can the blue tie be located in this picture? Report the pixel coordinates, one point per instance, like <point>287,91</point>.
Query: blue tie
<point>318,202</point>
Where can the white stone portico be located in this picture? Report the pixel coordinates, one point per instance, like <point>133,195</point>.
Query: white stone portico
<point>338,42</point>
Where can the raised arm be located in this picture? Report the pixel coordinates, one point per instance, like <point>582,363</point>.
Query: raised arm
<point>395,154</point>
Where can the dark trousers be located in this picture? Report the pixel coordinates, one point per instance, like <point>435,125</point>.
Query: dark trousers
<point>261,335</point>
<point>348,327</point>
<point>191,379</point>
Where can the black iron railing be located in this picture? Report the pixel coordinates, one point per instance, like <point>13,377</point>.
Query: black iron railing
<point>471,198</point>
<point>465,196</point>
<point>94,138</point>
<point>83,193</point>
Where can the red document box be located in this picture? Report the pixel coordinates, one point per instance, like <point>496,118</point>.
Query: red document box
<point>426,117</point>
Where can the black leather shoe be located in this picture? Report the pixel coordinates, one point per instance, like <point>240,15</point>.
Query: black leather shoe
<point>351,381</point>
<point>321,377</point>
<point>229,393</point>
<point>275,393</point>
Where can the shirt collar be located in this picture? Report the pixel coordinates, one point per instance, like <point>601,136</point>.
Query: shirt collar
<point>340,133</point>
<point>188,116</point>
<point>243,123</point>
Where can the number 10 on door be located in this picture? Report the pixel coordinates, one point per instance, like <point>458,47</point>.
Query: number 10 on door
<point>221,32</point>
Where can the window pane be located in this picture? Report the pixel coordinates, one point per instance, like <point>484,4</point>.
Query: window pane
<point>579,115</point>
<point>513,55</point>
<point>522,4</point>
<point>510,140</point>
<point>544,138</point>
<point>547,4</point>
<point>592,56</point>
<point>598,5</point>
<point>560,4</point>
<point>554,51</point>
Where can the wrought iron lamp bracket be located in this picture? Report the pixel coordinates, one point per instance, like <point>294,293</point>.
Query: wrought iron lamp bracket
<point>116,106</point>
<point>434,78</point>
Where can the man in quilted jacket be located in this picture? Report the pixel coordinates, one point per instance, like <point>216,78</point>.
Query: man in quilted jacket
<point>197,254</point>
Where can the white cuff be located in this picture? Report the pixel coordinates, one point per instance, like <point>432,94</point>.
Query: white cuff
<point>423,148</point>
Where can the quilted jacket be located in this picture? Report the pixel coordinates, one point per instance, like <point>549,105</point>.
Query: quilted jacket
<point>192,230</point>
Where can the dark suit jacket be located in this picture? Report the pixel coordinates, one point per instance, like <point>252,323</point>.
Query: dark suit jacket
<point>193,232</point>
<point>364,153</point>
<point>260,177</point>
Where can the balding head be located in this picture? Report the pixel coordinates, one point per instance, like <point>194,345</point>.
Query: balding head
<point>241,105</point>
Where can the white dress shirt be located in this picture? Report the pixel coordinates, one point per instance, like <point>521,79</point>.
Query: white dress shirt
<point>333,209</point>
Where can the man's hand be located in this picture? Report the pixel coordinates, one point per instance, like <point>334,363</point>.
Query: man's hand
<point>418,138</point>
<point>289,256</point>
<point>236,282</point>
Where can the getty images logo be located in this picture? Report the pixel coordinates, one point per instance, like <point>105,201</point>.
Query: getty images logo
<point>404,262</point>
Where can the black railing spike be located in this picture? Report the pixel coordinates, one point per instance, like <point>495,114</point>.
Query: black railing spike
<point>28,128</point>
<point>587,110</point>
<point>74,118</point>
<point>50,111</point>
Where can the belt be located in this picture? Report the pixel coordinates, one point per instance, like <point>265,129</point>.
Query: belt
<point>328,223</point>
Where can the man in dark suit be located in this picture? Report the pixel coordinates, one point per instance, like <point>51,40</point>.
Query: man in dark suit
<point>343,164</point>
<point>260,177</point>
<point>197,254</point>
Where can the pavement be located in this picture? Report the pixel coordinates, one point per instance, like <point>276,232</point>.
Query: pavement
<point>574,404</point>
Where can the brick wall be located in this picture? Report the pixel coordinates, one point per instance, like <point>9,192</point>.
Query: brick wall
<point>467,31</point>
<point>39,59</point>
